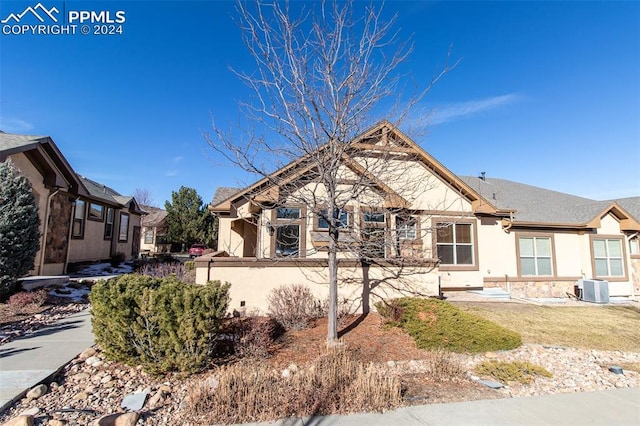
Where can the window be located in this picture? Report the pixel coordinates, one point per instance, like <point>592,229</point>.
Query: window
<point>148,236</point>
<point>96,212</point>
<point>535,255</point>
<point>108,224</point>
<point>608,257</point>
<point>288,232</point>
<point>374,234</point>
<point>406,227</point>
<point>454,243</point>
<point>323,223</point>
<point>123,235</point>
<point>287,240</point>
<point>288,213</point>
<point>634,246</point>
<point>78,219</point>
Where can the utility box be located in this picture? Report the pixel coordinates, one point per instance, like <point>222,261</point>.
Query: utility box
<point>595,291</point>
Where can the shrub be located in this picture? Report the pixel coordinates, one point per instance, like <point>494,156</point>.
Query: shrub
<point>516,371</point>
<point>24,298</point>
<point>293,306</point>
<point>334,382</point>
<point>437,324</point>
<point>253,336</point>
<point>159,323</point>
<point>167,269</point>
<point>117,259</point>
<point>19,228</point>
<point>443,365</point>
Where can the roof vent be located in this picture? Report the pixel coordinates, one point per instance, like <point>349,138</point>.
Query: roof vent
<point>483,176</point>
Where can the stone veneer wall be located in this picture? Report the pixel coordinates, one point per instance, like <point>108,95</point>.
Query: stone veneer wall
<point>534,289</point>
<point>635,277</point>
<point>57,243</point>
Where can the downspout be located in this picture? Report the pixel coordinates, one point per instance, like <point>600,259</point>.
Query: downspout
<point>73,212</point>
<point>510,224</point>
<point>43,245</point>
<point>629,238</point>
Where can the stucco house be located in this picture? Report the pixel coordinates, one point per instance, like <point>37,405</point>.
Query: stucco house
<point>431,231</point>
<point>154,231</point>
<point>80,220</point>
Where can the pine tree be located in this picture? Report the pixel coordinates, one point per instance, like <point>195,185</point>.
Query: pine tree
<point>188,220</point>
<point>19,227</point>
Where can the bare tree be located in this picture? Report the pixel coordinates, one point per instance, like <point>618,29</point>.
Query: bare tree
<point>323,73</point>
<point>144,196</point>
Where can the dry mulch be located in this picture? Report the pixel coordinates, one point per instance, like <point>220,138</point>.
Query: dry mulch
<point>370,340</point>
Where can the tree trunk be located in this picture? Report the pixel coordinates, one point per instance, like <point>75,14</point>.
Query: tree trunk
<point>332,314</point>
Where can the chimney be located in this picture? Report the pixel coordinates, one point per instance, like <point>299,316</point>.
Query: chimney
<point>483,176</point>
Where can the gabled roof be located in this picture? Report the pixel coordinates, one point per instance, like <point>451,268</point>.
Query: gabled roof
<point>11,144</point>
<point>155,216</point>
<point>44,155</point>
<point>534,205</point>
<point>630,204</point>
<point>525,204</point>
<point>57,172</point>
<point>223,193</point>
<point>375,138</point>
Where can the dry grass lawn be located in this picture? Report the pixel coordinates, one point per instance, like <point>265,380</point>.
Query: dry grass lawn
<point>591,327</point>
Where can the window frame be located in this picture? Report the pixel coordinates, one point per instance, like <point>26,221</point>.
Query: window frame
<point>126,234</point>
<point>623,254</point>
<point>95,218</point>
<point>148,231</point>
<point>634,242</point>
<point>82,220</point>
<point>376,225</point>
<point>416,228</point>
<point>475,265</point>
<point>300,221</point>
<point>518,236</point>
<point>108,223</point>
<point>348,227</point>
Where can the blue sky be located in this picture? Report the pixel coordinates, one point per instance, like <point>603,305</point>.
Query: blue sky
<point>546,93</point>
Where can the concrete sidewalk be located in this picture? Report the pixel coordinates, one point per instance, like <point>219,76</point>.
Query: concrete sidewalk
<point>33,358</point>
<point>620,407</point>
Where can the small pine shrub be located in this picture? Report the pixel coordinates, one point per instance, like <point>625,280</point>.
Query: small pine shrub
<point>25,298</point>
<point>516,371</point>
<point>161,324</point>
<point>437,324</point>
<point>19,228</point>
<point>293,306</point>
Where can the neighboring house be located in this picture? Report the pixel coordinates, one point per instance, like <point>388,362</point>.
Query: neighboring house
<point>435,231</point>
<point>154,231</point>
<point>80,220</point>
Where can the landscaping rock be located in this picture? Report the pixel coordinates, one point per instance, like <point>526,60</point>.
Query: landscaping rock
<point>37,391</point>
<point>134,401</point>
<point>118,419</point>
<point>20,421</point>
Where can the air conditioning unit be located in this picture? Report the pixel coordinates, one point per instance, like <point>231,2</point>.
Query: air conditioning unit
<point>596,291</point>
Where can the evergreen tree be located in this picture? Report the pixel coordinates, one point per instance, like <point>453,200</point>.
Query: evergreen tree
<point>188,219</point>
<point>19,227</point>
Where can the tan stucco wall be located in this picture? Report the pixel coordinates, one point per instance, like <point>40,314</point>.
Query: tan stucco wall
<point>253,284</point>
<point>93,246</point>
